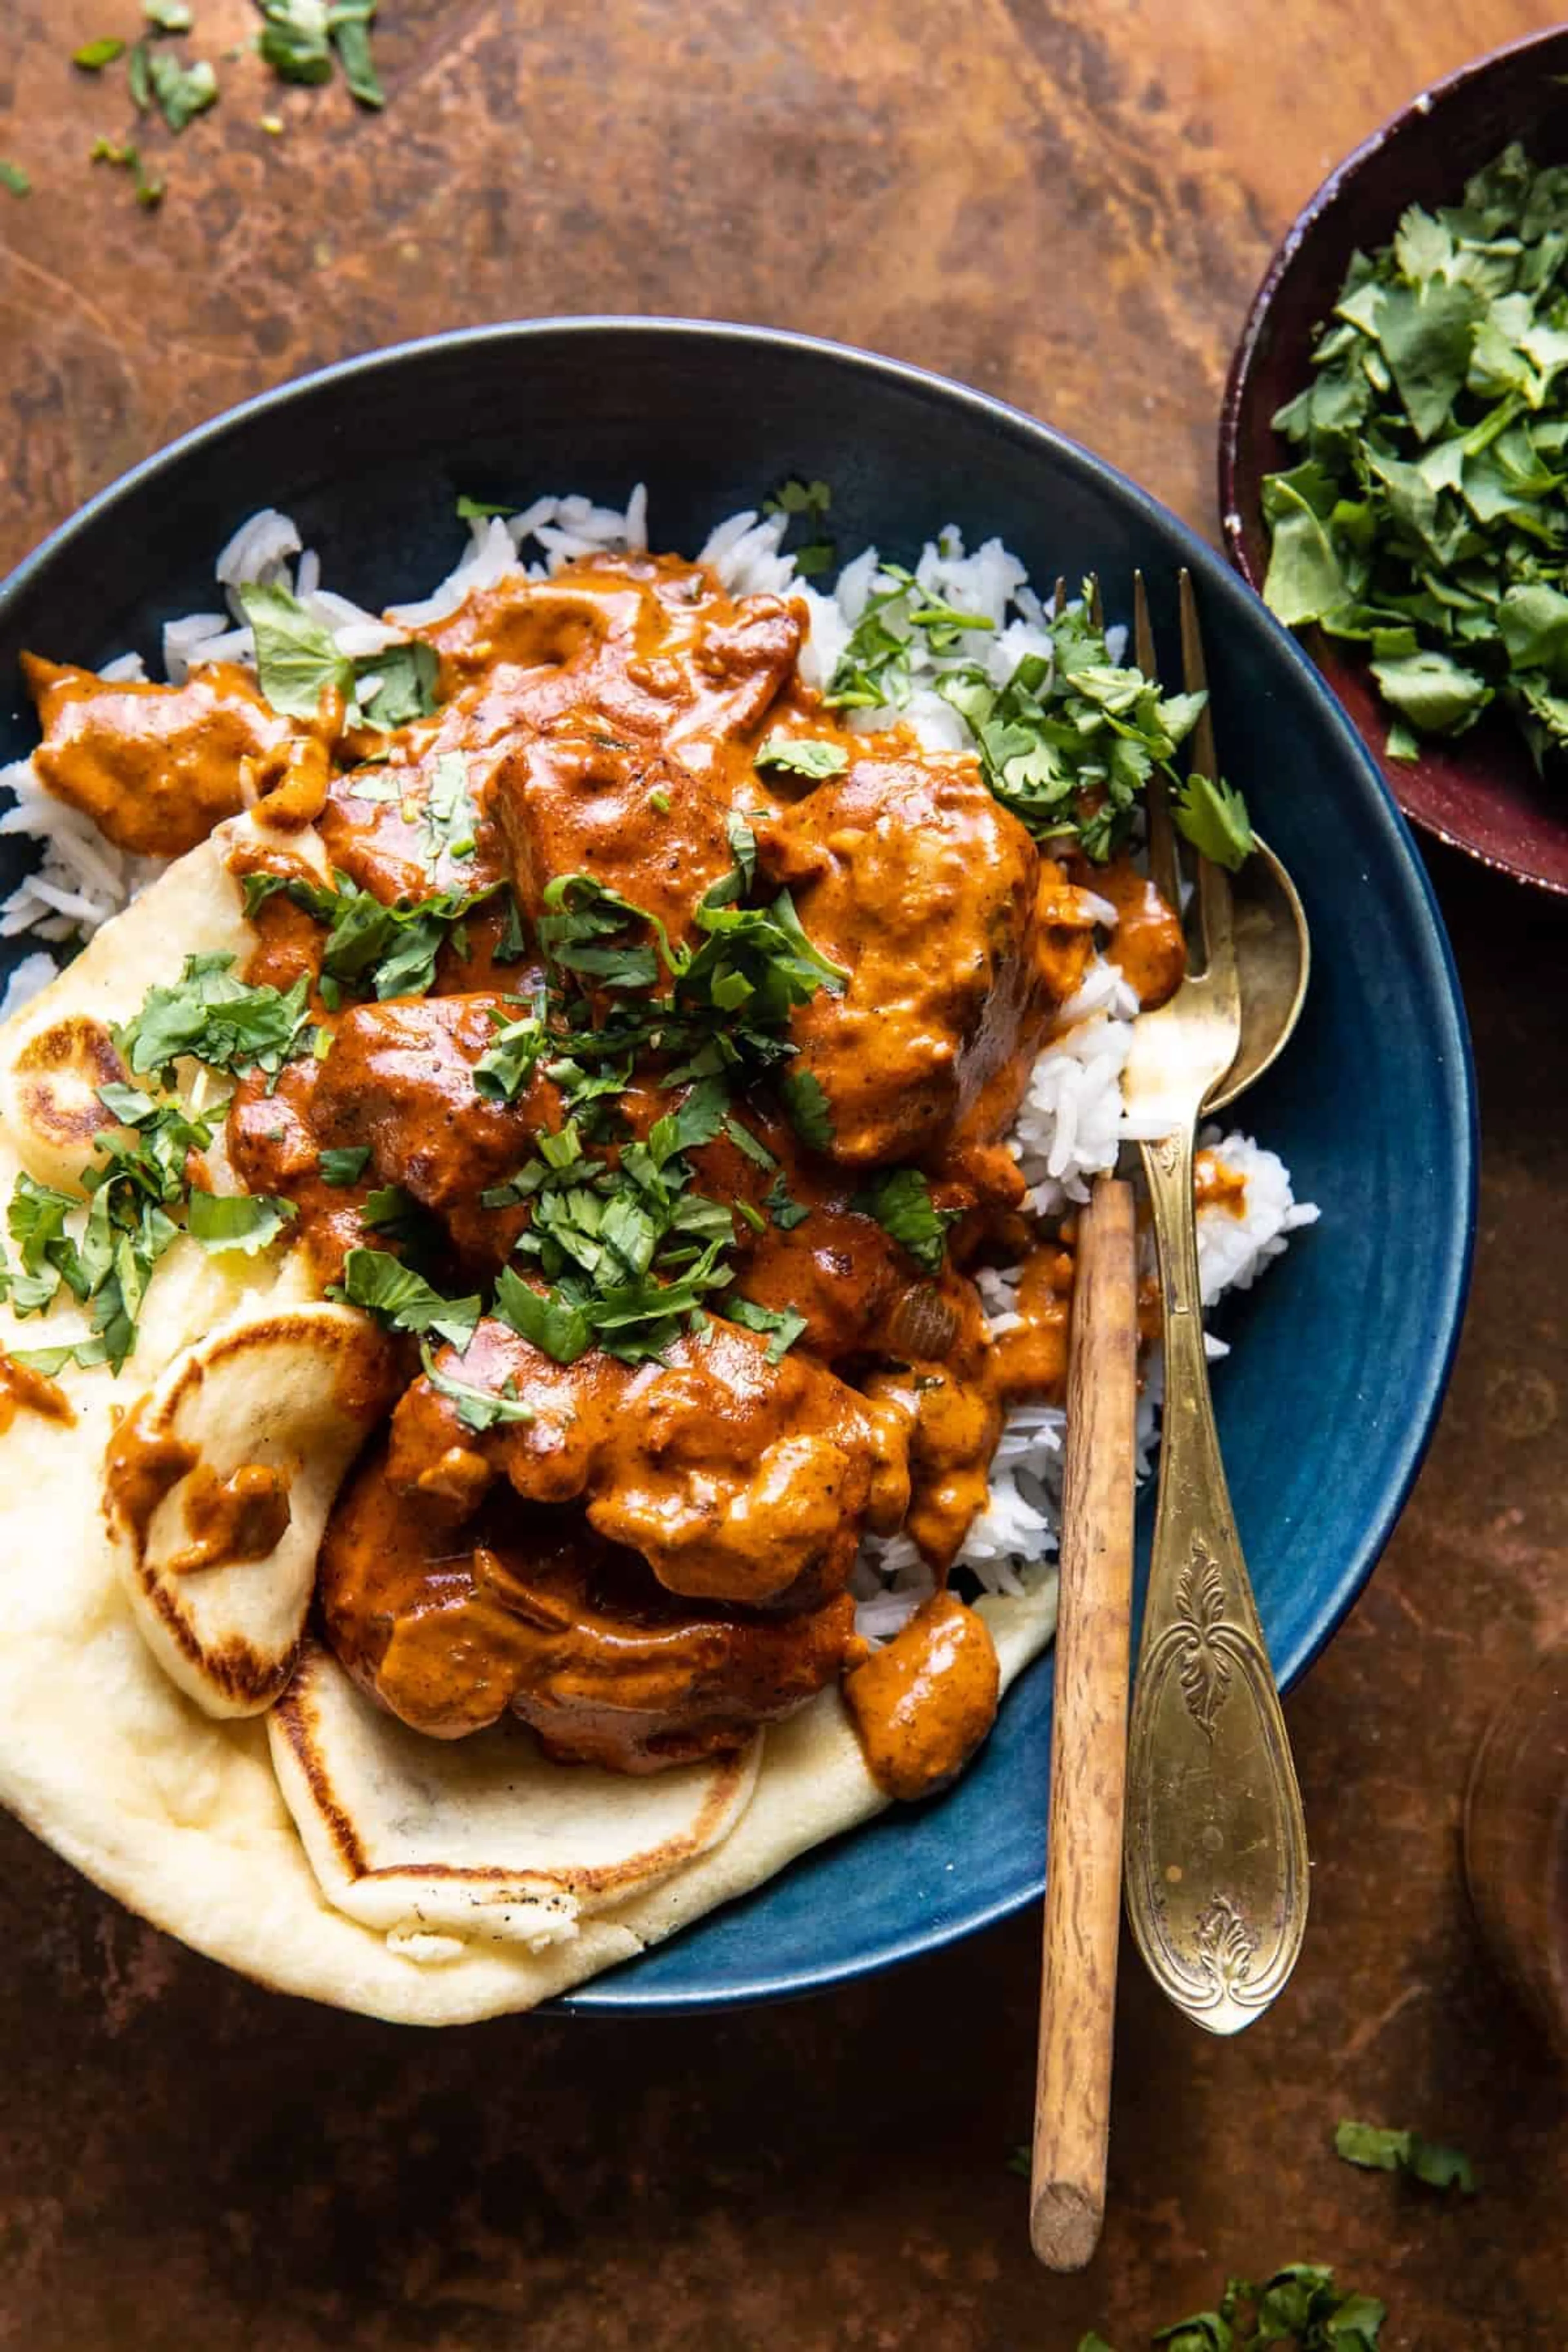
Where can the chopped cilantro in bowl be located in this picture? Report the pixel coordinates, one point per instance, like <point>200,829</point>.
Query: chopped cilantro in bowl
<point>1426,518</point>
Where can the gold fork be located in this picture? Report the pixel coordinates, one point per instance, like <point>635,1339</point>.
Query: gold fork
<point>1215,1857</point>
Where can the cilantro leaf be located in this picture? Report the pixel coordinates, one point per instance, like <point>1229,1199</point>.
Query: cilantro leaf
<point>297,660</point>
<point>477,510</point>
<point>701,1115</point>
<point>785,1213</point>
<point>1213,816</point>
<point>168,15</point>
<point>345,1165</point>
<point>478,1409</point>
<point>785,1323</point>
<point>807,1107</point>
<point>507,1065</point>
<point>1379,2150</point>
<point>799,755</point>
<point>901,1204</point>
<point>406,688</point>
<point>295,41</point>
<point>93,55</point>
<point>403,1299</point>
<point>349,22</point>
<point>15,178</point>
<point>239,1220</point>
<point>552,1322</point>
<point>450,818</point>
<point>182,92</point>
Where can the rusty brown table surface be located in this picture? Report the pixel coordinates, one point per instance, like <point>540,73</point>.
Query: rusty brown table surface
<point>1068,202</point>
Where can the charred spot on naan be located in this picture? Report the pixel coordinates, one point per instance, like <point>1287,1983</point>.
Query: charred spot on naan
<point>52,1084</point>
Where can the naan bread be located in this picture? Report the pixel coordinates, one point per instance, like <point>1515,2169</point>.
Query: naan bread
<point>282,1400</point>
<point>331,1872</point>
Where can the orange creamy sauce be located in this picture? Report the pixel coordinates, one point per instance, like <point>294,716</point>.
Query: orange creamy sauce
<point>24,1388</point>
<point>645,1560</point>
<point>240,1517</point>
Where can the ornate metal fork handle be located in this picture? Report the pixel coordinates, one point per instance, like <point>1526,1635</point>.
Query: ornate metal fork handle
<point>1216,1846</point>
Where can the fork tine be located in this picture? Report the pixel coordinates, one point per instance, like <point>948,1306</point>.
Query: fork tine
<point>1162,861</point>
<point>1096,611</point>
<point>1059,601</point>
<point>1213,889</point>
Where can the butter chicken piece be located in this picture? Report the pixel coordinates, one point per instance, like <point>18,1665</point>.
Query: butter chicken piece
<point>915,878</point>
<point>577,800</point>
<point>527,1613</point>
<point>273,1148</point>
<point>155,767</point>
<point>735,1479</point>
<point>400,1078</point>
<point>922,1705</point>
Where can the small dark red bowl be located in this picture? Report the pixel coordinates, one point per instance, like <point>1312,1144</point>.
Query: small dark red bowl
<point>1480,793</point>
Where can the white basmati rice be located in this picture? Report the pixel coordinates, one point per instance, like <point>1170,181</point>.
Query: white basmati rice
<point>1071,1123</point>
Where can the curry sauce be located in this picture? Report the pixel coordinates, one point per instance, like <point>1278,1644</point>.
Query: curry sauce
<point>644,1550</point>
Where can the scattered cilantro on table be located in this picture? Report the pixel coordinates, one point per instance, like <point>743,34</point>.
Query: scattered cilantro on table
<point>1298,2308</point>
<point>1380,2150</point>
<point>14,178</point>
<point>300,38</point>
<point>1427,517</point>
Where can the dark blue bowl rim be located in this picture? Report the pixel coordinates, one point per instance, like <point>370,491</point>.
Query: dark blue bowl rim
<point>1454,1064</point>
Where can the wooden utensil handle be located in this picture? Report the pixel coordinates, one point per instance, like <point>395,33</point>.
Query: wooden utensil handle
<point>1088,1742</point>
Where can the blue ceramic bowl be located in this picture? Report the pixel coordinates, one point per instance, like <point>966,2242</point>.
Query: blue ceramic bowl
<point>1341,1355</point>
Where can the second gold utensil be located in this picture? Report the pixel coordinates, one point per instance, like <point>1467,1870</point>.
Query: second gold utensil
<point>1217,1871</point>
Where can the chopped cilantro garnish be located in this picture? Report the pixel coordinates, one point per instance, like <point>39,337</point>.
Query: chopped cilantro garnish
<point>122,1227</point>
<point>799,755</point>
<point>806,1104</point>
<point>218,1019</point>
<point>168,15</point>
<point>449,818</point>
<point>406,686</point>
<point>1213,815</point>
<point>345,1165</point>
<point>403,1299</point>
<point>784,1324</point>
<point>785,1213</point>
<point>874,667</point>
<point>745,1141</point>
<point>549,1320</point>
<point>507,1065</point>
<point>297,660</point>
<point>807,502</point>
<point>478,1409</point>
<point>901,1204</point>
<point>478,511</point>
<point>93,55</point>
<point>241,1221</point>
<point>374,949</point>
<point>1070,741</point>
<point>14,178</point>
<point>1405,2152</point>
